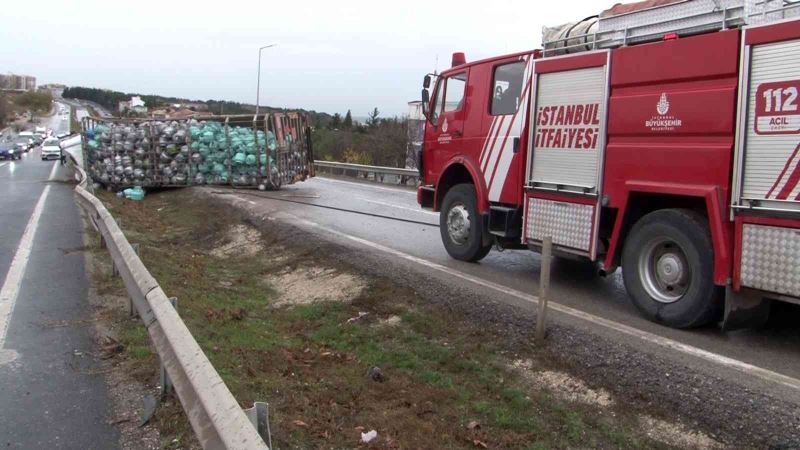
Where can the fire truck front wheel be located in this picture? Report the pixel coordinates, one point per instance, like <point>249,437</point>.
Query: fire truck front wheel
<point>667,265</point>
<point>461,226</point>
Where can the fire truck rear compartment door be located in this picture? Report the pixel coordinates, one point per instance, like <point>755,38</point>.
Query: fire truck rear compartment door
<point>772,137</point>
<point>568,128</point>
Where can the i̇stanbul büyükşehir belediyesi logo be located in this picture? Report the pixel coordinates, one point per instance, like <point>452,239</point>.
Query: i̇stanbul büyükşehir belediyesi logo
<point>663,122</point>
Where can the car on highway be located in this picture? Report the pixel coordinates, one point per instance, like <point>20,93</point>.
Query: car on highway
<point>51,149</point>
<point>8,151</point>
<point>35,138</point>
<point>23,143</point>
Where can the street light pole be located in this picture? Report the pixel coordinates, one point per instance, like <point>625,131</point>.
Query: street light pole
<point>258,83</point>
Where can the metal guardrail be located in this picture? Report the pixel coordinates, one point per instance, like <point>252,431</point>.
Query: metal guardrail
<point>215,415</point>
<point>360,168</point>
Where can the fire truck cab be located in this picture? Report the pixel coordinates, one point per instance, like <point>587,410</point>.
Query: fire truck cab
<point>664,139</point>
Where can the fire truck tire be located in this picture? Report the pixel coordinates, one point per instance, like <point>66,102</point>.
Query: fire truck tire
<point>668,269</point>
<point>461,226</point>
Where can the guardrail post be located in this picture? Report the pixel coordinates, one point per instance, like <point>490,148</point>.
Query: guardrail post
<point>259,416</point>
<point>132,312</point>
<point>165,383</point>
<point>114,270</point>
<point>544,289</point>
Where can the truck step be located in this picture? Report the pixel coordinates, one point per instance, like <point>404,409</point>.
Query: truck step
<point>505,221</point>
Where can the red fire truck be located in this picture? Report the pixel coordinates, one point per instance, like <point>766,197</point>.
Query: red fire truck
<point>663,138</point>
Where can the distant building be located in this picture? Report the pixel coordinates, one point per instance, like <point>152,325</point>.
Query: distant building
<point>12,82</point>
<point>55,88</point>
<point>178,113</point>
<point>194,106</point>
<point>135,104</point>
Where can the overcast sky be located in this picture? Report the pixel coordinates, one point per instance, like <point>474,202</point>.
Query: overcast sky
<point>330,56</point>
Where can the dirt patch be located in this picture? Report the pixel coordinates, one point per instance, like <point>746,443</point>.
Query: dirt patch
<point>305,285</point>
<point>240,239</point>
<point>675,434</point>
<point>563,385</point>
<point>391,321</point>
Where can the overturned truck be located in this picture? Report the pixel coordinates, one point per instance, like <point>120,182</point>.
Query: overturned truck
<point>263,152</point>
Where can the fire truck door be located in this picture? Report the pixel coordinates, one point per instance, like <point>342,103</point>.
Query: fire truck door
<point>450,112</point>
<point>501,153</point>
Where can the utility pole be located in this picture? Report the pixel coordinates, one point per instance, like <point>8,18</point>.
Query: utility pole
<point>258,83</point>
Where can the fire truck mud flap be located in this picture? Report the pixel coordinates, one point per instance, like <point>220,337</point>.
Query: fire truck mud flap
<point>744,309</point>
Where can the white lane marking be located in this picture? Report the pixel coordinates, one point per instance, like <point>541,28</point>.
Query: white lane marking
<point>10,289</point>
<point>741,366</point>
<point>396,191</point>
<point>3,164</point>
<point>392,205</point>
<point>53,171</point>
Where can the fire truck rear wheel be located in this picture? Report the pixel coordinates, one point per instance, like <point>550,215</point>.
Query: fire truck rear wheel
<point>461,226</point>
<point>668,268</point>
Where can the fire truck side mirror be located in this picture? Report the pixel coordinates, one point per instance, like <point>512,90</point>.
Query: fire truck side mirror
<point>426,82</point>
<point>426,97</point>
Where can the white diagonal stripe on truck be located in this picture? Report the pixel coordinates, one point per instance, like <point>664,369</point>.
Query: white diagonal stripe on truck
<point>486,141</point>
<point>494,152</point>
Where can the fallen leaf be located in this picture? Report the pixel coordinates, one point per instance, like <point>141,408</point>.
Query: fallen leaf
<point>299,423</point>
<point>478,443</point>
<point>238,314</point>
<point>473,425</point>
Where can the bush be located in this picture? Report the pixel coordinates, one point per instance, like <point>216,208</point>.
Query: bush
<point>383,143</point>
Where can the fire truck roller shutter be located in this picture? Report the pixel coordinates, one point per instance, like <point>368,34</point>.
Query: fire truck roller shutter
<point>568,125</point>
<point>668,268</point>
<point>772,147</point>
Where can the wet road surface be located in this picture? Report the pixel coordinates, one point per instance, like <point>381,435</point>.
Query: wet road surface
<point>51,396</point>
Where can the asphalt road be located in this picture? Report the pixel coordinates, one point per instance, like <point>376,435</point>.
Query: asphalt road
<point>406,228</point>
<point>50,395</point>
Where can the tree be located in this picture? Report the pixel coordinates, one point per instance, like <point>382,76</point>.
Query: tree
<point>336,122</point>
<point>3,110</point>
<point>36,102</point>
<point>372,120</point>
<point>348,121</point>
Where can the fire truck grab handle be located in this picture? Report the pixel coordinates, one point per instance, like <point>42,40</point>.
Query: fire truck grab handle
<point>516,145</point>
<point>457,134</point>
